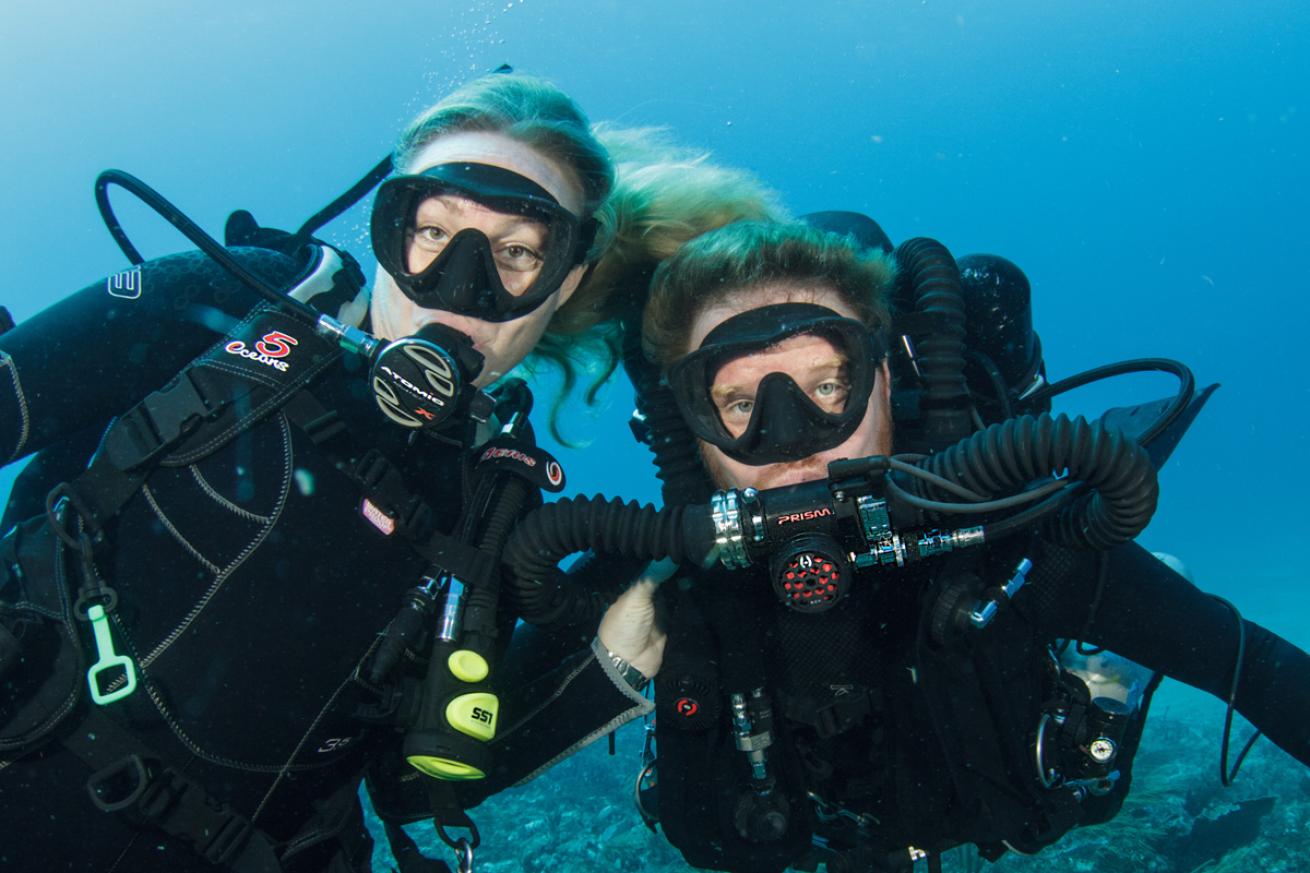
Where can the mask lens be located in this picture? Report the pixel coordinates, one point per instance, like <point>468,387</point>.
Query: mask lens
<point>518,242</point>
<point>475,239</point>
<point>819,365</point>
<point>778,383</point>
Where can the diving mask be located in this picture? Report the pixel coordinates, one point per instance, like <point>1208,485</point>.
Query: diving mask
<point>469,274</point>
<point>785,422</point>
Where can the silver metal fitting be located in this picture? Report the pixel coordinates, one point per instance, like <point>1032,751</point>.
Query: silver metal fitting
<point>349,337</point>
<point>983,614</point>
<point>452,613</point>
<point>725,512</point>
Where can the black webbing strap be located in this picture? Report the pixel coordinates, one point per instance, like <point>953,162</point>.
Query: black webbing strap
<point>133,441</point>
<point>128,780</point>
<point>383,485</point>
<point>249,373</point>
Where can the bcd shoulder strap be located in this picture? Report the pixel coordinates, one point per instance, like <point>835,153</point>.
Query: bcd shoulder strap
<point>265,360</point>
<point>251,372</point>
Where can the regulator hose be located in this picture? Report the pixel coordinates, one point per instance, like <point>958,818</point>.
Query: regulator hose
<point>1012,454</point>
<point>677,456</point>
<point>548,534</point>
<point>938,295</point>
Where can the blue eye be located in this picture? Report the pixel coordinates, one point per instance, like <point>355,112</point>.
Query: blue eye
<point>741,407</point>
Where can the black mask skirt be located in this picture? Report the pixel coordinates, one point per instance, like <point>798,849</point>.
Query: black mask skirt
<point>463,278</point>
<point>785,424</point>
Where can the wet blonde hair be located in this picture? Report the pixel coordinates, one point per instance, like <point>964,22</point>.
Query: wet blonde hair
<point>715,267</point>
<point>663,196</point>
<point>647,196</point>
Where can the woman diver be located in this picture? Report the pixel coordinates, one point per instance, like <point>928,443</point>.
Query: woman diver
<point>934,701</point>
<point>234,557</point>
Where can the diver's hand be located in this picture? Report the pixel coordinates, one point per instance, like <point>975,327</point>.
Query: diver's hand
<point>628,627</point>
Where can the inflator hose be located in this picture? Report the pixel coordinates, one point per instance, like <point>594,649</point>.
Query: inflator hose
<point>1014,453</point>
<point>498,501</point>
<point>549,534</point>
<point>938,295</point>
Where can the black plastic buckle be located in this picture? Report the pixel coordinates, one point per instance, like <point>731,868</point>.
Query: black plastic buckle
<point>639,424</point>
<point>228,841</point>
<point>842,713</point>
<point>156,423</point>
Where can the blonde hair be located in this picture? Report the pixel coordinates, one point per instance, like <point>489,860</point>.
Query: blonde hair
<point>530,110</point>
<point>647,196</point>
<point>663,196</point>
<point>718,265</point>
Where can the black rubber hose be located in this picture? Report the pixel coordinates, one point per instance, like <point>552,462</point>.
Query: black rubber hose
<point>935,279</point>
<point>497,504</point>
<point>503,513</point>
<point>677,457</point>
<point>191,231</point>
<point>1014,453</point>
<point>549,534</point>
<point>1186,387</point>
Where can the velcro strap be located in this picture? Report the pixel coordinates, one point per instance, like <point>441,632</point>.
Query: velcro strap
<point>469,563</point>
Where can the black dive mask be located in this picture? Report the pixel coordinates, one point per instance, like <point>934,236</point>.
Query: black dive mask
<point>785,423</point>
<point>465,277</point>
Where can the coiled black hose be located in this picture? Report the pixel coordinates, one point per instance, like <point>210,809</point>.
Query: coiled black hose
<point>935,279</point>
<point>546,535</point>
<point>1111,496</point>
<point>1014,453</point>
<point>677,457</point>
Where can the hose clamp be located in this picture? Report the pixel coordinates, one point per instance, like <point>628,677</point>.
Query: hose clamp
<point>725,512</point>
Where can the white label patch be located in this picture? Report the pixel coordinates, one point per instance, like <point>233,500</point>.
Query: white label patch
<point>125,285</point>
<point>378,518</point>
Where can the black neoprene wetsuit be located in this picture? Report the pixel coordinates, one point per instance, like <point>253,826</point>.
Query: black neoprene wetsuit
<point>249,586</point>
<point>876,718</point>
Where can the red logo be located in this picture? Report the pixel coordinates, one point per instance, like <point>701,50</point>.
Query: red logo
<point>276,344</point>
<point>686,707</point>
<point>513,454</point>
<point>807,515</point>
<point>554,474</point>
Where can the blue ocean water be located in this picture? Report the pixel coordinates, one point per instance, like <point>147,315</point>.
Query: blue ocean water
<point>1144,163</point>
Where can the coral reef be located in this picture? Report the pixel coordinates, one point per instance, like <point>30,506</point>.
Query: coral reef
<point>580,817</point>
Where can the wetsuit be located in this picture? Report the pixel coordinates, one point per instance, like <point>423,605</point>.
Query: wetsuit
<point>886,716</point>
<point>250,588</point>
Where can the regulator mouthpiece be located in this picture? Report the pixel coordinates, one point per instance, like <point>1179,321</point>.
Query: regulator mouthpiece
<point>420,381</point>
